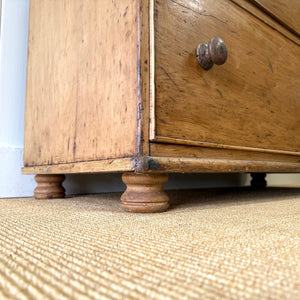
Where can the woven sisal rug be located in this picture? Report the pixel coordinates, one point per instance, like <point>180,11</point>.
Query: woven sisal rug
<point>211,244</point>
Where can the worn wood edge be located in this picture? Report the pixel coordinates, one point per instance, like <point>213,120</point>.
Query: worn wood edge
<point>146,164</point>
<point>144,84</point>
<point>26,114</point>
<point>101,166</point>
<point>171,150</point>
<point>267,19</point>
<point>152,70</point>
<point>273,16</point>
<point>170,140</point>
<point>208,165</point>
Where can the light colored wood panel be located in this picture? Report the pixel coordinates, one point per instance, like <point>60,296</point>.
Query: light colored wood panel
<point>169,150</point>
<point>101,166</point>
<point>50,118</point>
<point>207,165</point>
<point>82,86</point>
<point>256,11</point>
<point>106,124</point>
<point>251,101</point>
<point>287,12</point>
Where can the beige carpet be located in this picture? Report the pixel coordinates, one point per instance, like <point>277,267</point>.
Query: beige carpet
<point>212,244</point>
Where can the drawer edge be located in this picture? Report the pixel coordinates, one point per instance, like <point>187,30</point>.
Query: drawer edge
<point>178,141</point>
<point>267,19</point>
<point>207,165</point>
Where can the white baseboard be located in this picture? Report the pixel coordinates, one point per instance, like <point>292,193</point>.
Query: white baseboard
<point>12,182</point>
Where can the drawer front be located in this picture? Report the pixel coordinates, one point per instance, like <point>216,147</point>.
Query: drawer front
<point>253,100</point>
<point>286,12</point>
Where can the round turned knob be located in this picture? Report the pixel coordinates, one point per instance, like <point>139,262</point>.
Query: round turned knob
<point>213,53</point>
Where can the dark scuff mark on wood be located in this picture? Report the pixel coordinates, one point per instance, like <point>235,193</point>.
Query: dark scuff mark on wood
<point>201,13</point>
<point>220,93</point>
<point>270,65</point>
<point>167,74</point>
<point>153,165</point>
<point>74,149</point>
<point>145,164</point>
<point>125,13</point>
<point>140,164</point>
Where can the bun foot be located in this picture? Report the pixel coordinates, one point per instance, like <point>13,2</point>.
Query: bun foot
<point>258,180</point>
<point>49,186</point>
<point>144,193</point>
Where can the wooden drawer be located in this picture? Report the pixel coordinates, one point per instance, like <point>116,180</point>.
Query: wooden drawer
<point>252,101</point>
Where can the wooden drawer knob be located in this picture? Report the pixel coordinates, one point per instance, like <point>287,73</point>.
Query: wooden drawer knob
<point>213,53</point>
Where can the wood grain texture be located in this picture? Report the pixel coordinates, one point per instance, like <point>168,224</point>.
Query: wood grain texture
<point>176,164</point>
<point>267,19</point>
<point>169,150</point>
<point>163,139</point>
<point>152,70</point>
<point>251,101</point>
<point>82,81</point>
<point>212,165</point>
<point>49,186</point>
<point>286,12</point>
<point>101,166</point>
<point>145,84</point>
<point>144,193</point>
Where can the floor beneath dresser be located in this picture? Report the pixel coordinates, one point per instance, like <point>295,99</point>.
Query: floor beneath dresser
<point>216,243</point>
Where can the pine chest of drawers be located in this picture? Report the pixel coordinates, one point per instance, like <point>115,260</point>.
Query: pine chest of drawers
<point>134,86</point>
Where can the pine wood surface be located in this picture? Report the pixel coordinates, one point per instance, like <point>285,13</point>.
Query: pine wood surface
<point>208,165</point>
<point>82,81</point>
<point>145,83</point>
<point>169,150</point>
<point>99,76</point>
<point>169,164</point>
<point>251,101</point>
<point>100,166</point>
<point>49,186</point>
<point>163,140</point>
<point>287,12</point>
<point>144,193</point>
<point>249,6</point>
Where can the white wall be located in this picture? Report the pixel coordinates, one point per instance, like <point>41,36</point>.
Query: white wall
<point>13,54</point>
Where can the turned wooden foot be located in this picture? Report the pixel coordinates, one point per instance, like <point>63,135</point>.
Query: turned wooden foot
<point>258,180</point>
<point>144,193</point>
<point>49,186</point>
